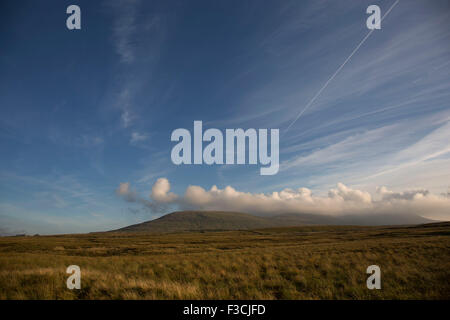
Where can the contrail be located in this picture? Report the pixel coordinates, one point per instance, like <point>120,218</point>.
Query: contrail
<point>337,71</point>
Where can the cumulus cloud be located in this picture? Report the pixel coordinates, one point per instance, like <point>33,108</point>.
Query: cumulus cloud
<point>130,195</point>
<point>347,194</point>
<point>342,200</point>
<point>302,200</point>
<point>124,191</point>
<point>160,191</point>
<point>405,195</point>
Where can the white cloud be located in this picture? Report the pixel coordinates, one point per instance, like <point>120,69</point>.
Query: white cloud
<point>160,194</point>
<point>124,189</point>
<point>340,201</point>
<point>347,194</point>
<point>160,191</point>
<point>404,195</point>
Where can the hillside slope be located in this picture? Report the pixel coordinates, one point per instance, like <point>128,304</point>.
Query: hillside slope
<point>201,221</point>
<point>221,220</point>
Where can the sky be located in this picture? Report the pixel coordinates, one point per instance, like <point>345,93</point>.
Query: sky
<point>87,115</point>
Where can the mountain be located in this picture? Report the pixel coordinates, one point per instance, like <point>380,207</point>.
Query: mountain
<point>201,221</point>
<point>183,221</point>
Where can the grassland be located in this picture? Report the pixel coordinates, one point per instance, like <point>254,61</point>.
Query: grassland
<point>282,263</point>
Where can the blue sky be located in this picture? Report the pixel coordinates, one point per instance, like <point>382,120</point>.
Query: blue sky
<point>85,110</point>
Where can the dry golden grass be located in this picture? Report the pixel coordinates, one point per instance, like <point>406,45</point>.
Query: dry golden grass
<point>284,263</point>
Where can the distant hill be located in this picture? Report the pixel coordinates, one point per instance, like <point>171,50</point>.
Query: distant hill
<point>201,221</point>
<point>185,221</point>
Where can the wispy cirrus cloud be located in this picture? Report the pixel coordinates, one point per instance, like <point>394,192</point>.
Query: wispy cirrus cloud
<point>59,190</point>
<point>137,38</point>
<point>124,28</point>
<point>137,137</point>
<point>376,73</point>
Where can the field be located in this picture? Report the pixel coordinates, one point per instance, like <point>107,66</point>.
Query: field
<point>280,263</point>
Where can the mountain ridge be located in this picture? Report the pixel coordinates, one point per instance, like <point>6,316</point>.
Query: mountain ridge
<point>189,221</point>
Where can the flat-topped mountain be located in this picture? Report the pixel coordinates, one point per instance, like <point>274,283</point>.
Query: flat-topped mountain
<point>184,221</point>
<point>201,221</point>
